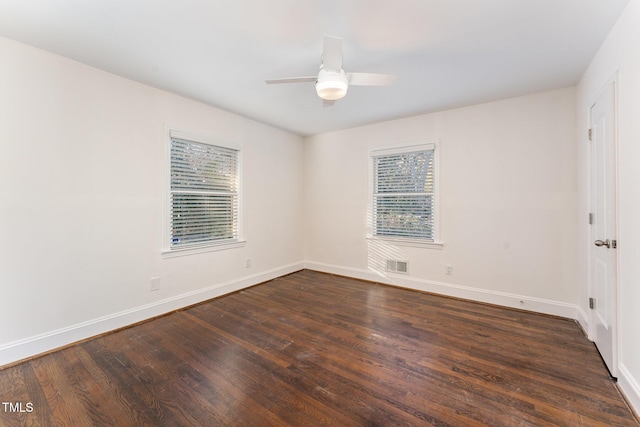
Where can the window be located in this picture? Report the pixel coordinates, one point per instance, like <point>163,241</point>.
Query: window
<point>404,193</point>
<point>203,193</point>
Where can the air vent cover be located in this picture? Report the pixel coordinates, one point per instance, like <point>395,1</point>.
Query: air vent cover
<point>397,266</point>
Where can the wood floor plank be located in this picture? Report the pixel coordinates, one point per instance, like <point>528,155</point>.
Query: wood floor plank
<point>204,375</point>
<point>254,367</point>
<point>13,389</point>
<point>179,379</point>
<point>312,349</point>
<point>321,357</point>
<point>58,391</point>
<point>91,387</point>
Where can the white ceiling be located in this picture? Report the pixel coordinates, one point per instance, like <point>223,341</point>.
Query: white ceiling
<point>446,53</point>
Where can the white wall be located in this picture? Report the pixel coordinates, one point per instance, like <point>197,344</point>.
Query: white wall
<point>619,54</point>
<point>508,202</point>
<point>81,179</point>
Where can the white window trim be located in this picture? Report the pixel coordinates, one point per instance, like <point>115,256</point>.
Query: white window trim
<point>398,149</point>
<point>411,243</point>
<point>212,247</point>
<point>167,251</point>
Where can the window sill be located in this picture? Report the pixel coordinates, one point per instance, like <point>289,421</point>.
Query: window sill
<point>193,250</point>
<point>414,243</point>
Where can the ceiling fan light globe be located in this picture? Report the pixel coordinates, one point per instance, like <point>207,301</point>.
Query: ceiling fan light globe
<point>331,90</point>
<point>332,85</point>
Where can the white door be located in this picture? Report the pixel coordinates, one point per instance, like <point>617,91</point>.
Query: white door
<point>603,229</point>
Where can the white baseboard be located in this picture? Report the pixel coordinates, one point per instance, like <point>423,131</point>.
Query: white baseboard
<point>630,387</point>
<point>583,320</point>
<point>18,350</point>
<point>538,305</point>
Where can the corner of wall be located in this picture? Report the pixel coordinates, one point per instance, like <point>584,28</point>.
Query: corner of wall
<point>630,387</point>
<point>583,319</point>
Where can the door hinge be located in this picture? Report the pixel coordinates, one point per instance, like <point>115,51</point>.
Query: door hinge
<point>590,218</point>
<point>590,134</point>
<point>592,303</point>
<point>614,244</point>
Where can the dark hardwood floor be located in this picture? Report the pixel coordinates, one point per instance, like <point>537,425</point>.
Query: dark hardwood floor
<point>315,349</point>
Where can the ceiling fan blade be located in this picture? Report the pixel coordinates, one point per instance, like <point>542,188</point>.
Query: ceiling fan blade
<point>292,80</point>
<point>332,53</point>
<point>370,79</point>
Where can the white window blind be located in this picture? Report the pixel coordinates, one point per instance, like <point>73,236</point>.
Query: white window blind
<point>203,194</point>
<point>404,194</point>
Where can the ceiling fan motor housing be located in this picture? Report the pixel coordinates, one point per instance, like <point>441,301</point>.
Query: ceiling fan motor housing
<point>331,85</point>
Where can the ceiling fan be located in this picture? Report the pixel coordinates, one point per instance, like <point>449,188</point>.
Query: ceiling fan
<point>332,82</point>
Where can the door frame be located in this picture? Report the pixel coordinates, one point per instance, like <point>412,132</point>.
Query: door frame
<point>613,80</point>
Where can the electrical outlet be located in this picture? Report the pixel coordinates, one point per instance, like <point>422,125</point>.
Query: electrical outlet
<point>247,263</point>
<point>449,269</point>
<point>155,284</point>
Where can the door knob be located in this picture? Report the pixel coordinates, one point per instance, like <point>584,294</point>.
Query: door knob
<point>601,243</point>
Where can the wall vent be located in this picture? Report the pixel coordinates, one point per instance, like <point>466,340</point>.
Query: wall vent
<point>397,266</point>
